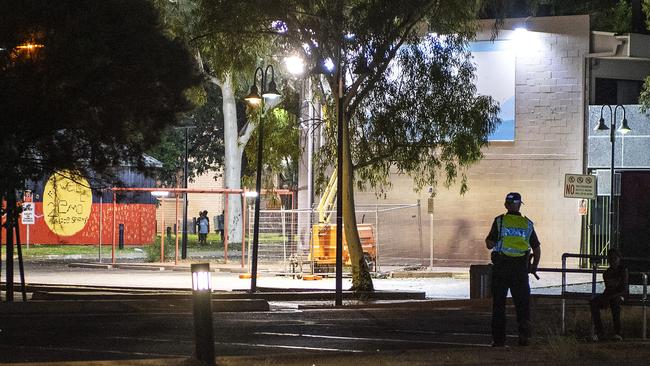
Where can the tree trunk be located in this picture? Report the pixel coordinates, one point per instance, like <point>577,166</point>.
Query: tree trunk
<point>232,159</point>
<point>361,280</point>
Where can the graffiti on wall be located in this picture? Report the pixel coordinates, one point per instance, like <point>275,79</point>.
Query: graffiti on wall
<point>67,202</point>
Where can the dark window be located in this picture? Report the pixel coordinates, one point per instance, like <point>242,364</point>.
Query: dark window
<point>617,91</point>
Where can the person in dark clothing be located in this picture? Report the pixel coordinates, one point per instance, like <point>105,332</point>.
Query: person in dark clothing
<point>512,238</point>
<point>220,225</point>
<point>616,285</point>
<point>204,227</point>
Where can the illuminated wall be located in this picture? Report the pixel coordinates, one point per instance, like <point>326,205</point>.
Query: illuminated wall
<point>67,211</point>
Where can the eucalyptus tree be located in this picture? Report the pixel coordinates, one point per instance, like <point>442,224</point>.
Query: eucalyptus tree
<point>227,62</point>
<point>402,76</point>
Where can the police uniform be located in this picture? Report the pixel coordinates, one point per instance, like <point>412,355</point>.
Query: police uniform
<point>515,237</point>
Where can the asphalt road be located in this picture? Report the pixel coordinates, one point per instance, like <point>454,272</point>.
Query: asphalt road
<point>79,337</point>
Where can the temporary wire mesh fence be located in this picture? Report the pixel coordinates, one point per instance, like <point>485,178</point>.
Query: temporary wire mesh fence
<point>391,235</point>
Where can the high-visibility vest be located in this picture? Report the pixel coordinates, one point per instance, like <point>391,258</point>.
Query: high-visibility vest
<point>514,235</point>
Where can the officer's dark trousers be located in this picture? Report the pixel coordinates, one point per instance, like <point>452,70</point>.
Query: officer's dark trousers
<point>510,273</point>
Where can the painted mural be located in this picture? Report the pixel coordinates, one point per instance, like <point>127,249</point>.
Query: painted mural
<point>67,203</point>
<point>68,211</point>
<point>495,76</point>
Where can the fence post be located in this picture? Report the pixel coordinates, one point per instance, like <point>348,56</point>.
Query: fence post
<point>645,309</point>
<point>420,231</point>
<point>284,238</point>
<point>563,290</point>
<point>376,238</point>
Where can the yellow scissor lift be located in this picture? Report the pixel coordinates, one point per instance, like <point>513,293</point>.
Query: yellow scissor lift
<point>323,239</point>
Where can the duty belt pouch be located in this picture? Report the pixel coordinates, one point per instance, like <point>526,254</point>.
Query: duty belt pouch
<point>496,257</point>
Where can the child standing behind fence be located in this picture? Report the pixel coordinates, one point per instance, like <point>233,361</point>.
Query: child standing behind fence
<point>616,284</point>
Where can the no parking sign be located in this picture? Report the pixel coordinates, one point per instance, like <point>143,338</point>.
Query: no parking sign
<point>27,217</point>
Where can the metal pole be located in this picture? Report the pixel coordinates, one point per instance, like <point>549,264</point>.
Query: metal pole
<point>377,238</point>
<point>113,237</point>
<point>339,186</point>
<point>593,279</point>
<point>244,216</point>
<point>101,222</point>
<point>284,238</point>
<point>431,241</point>
<point>420,232</point>
<point>1,201</point>
<point>176,233</point>
<point>225,229</point>
<point>563,289</point>
<point>612,137</point>
<point>645,309</point>
<point>249,251</point>
<point>258,190</point>
<point>21,267</point>
<point>11,208</point>
<point>162,233</point>
<point>185,201</point>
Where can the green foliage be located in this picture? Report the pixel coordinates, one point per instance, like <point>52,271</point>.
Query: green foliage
<point>395,113</point>
<point>97,93</point>
<point>222,52</point>
<point>205,141</point>
<point>617,18</point>
<point>152,250</point>
<point>644,97</point>
<point>426,122</point>
<point>281,149</point>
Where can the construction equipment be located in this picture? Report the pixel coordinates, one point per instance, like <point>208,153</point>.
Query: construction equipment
<point>323,238</point>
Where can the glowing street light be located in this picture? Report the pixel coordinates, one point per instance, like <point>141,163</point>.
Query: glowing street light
<point>202,311</point>
<point>270,96</point>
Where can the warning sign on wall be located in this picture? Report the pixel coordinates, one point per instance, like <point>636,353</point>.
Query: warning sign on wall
<point>580,186</point>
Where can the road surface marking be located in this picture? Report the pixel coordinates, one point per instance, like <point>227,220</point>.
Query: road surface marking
<point>369,339</point>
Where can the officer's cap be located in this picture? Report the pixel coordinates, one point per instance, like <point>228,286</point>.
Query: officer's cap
<point>513,197</point>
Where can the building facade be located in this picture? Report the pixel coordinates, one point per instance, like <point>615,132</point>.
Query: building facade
<point>544,139</point>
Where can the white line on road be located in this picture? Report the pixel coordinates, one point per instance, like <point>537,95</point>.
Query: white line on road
<point>369,339</point>
<point>95,351</point>
<point>163,340</point>
<point>289,347</point>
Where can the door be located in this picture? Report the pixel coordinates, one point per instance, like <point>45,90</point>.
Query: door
<point>634,219</point>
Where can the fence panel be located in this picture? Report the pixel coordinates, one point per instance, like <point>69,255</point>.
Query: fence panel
<point>285,236</point>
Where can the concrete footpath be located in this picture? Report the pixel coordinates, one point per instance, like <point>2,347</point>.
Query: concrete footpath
<point>435,283</point>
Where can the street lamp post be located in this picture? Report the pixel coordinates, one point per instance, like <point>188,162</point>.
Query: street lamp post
<point>185,185</point>
<point>254,99</point>
<point>338,301</point>
<point>613,241</point>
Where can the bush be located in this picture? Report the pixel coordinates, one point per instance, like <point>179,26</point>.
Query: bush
<point>152,250</point>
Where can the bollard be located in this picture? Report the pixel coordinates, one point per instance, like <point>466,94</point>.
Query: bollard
<point>480,281</point>
<point>121,237</point>
<point>202,310</point>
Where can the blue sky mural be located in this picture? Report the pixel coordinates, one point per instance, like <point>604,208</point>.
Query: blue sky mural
<point>495,76</point>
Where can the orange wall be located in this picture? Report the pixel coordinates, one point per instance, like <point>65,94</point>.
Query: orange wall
<point>139,226</point>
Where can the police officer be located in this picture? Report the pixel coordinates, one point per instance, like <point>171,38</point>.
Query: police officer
<point>512,238</point>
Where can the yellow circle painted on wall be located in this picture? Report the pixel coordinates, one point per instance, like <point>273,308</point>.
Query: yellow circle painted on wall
<point>67,202</point>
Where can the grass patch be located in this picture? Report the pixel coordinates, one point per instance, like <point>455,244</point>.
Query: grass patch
<point>45,250</point>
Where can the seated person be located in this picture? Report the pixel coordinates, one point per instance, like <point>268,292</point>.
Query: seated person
<point>616,284</point>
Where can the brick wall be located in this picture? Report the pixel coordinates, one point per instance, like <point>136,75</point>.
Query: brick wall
<point>549,140</point>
